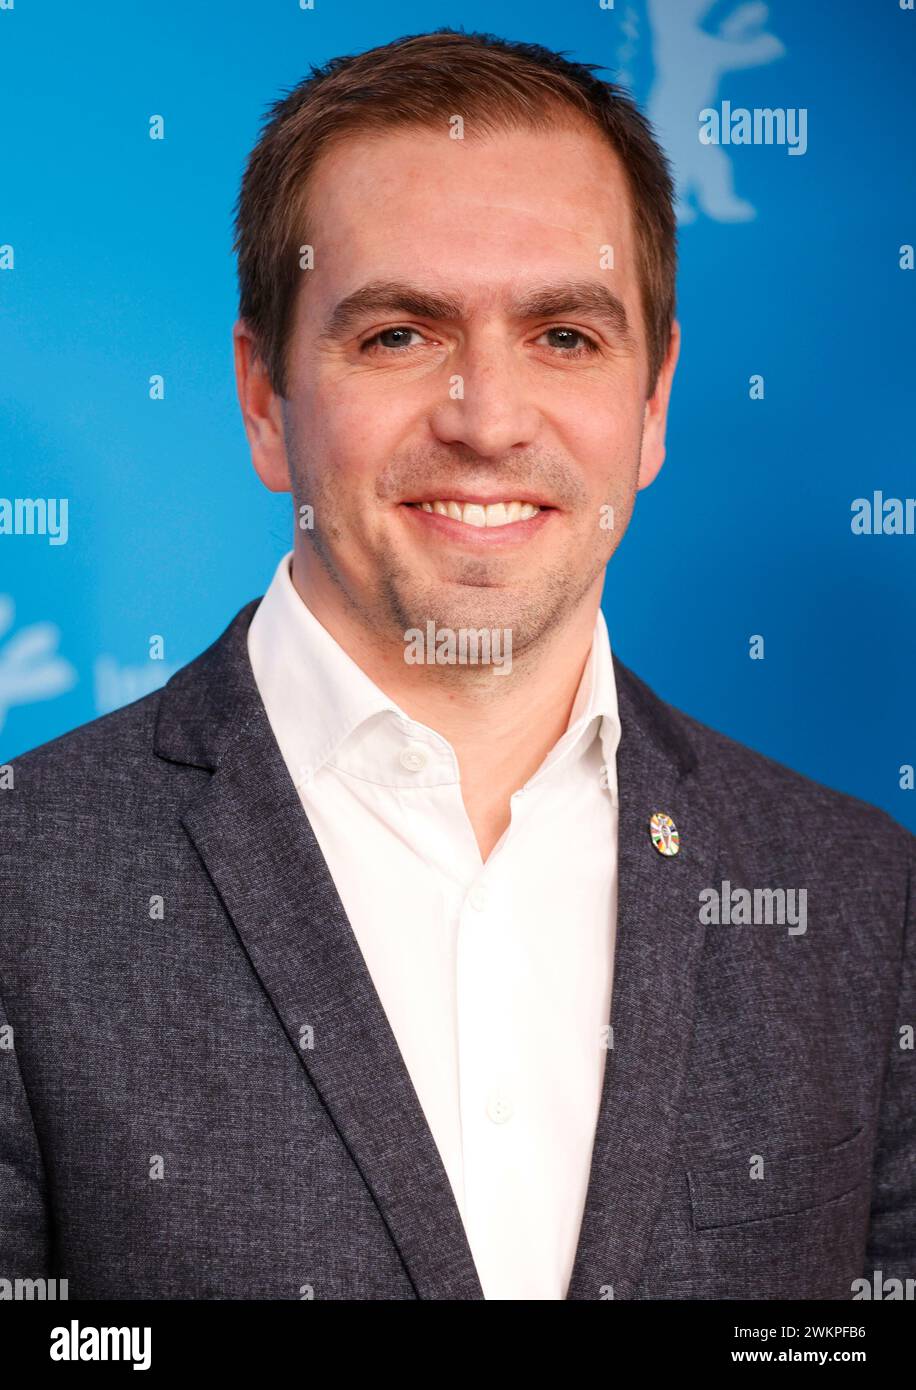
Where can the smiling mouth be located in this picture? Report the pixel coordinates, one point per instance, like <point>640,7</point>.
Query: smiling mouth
<point>482,515</point>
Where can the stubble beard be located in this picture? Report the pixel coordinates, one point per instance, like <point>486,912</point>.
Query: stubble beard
<point>397,599</point>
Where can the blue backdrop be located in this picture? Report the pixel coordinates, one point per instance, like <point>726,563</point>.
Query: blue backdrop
<point>116,266</point>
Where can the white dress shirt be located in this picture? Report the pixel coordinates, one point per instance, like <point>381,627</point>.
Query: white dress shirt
<point>495,977</point>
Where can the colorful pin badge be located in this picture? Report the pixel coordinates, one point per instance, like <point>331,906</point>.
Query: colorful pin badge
<point>664,833</point>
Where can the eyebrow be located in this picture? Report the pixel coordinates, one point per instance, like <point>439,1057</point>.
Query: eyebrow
<point>567,300</point>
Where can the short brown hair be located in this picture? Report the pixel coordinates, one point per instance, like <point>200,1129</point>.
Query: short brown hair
<point>421,80</point>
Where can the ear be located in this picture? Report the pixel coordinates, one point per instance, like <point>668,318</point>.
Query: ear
<point>655,418</point>
<point>261,411</point>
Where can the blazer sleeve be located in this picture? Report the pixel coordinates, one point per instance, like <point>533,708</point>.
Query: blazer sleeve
<point>892,1231</point>
<point>24,1226</point>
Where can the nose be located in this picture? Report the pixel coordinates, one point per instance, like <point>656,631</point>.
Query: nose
<point>487,406</point>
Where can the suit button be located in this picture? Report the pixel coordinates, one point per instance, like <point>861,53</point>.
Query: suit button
<point>499,1107</point>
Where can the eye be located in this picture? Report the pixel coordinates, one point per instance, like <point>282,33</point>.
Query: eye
<point>567,342</point>
<point>566,346</point>
<point>376,342</point>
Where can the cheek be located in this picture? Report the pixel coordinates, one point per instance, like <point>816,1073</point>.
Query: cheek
<point>608,453</point>
<point>610,462</point>
<point>342,461</point>
<point>604,425</point>
<point>354,435</point>
<point>330,454</point>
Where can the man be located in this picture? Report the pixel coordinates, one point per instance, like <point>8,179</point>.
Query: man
<point>406,945</point>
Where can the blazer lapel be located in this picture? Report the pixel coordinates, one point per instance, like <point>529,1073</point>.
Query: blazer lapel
<point>659,941</point>
<point>259,850</point>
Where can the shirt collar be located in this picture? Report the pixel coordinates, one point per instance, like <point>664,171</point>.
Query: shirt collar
<point>315,695</point>
<point>594,711</point>
<point>324,709</point>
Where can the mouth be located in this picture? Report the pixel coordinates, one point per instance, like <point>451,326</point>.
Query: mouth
<point>482,519</point>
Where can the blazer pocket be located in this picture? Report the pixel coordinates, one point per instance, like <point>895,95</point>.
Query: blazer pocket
<point>724,1193</point>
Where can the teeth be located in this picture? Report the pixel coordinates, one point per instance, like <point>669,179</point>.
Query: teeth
<point>473,514</point>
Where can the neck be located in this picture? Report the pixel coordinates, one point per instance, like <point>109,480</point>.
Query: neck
<point>501,726</point>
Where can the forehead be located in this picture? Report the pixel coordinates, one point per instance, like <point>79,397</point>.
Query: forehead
<point>475,212</point>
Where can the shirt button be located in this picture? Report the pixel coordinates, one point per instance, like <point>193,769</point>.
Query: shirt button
<point>414,758</point>
<point>499,1107</point>
<point>478,897</point>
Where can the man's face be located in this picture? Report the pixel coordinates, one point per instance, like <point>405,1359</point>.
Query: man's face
<point>507,364</point>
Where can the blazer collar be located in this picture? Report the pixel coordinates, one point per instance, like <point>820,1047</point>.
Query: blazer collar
<point>259,850</point>
<point>659,945</point>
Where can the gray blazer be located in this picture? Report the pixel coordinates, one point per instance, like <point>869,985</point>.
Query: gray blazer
<point>170,1128</point>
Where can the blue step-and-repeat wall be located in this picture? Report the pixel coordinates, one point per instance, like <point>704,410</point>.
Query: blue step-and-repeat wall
<point>792,405</point>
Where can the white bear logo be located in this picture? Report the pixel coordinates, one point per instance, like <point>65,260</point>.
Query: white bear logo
<point>688,65</point>
<point>30,668</point>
